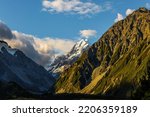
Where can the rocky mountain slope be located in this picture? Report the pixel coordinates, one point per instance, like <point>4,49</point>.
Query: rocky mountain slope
<point>63,62</point>
<point>16,68</point>
<point>118,64</point>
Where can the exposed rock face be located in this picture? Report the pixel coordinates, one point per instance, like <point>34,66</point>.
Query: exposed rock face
<point>116,64</point>
<point>63,62</point>
<point>16,68</point>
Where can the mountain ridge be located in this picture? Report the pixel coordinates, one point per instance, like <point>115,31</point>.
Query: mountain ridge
<point>117,66</point>
<point>18,68</point>
<point>108,62</point>
<point>63,62</point>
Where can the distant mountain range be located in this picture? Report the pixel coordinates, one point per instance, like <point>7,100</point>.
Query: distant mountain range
<point>63,62</point>
<point>117,66</point>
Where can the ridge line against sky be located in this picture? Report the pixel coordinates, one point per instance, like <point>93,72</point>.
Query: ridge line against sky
<point>54,23</point>
<point>64,18</point>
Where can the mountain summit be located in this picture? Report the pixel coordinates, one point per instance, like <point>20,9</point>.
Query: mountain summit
<point>118,64</point>
<point>17,68</point>
<point>63,62</point>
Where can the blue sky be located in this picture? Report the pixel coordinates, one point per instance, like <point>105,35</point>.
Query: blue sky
<point>55,25</point>
<point>27,16</point>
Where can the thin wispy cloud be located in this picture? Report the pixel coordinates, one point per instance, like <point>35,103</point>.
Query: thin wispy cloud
<point>74,7</point>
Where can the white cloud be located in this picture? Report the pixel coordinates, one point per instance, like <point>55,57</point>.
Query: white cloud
<point>40,50</point>
<point>119,17</point>
<point>74,7</point>
<point>88,33</point>
<point>48,44</point>
<point>129,11</point>
<point>148,5</point>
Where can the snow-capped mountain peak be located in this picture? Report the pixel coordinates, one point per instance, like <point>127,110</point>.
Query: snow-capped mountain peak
<point>82,43</point>
<point>63,62</point>
<point>78,48</point>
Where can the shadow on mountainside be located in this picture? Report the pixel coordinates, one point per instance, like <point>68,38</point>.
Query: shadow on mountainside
<point>12,91</point>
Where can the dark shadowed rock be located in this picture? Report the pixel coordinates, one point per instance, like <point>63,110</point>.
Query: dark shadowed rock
<point>16,67</point>
<point>5,32</point>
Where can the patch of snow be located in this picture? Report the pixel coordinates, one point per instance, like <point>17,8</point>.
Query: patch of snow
<point>3,45</point>
<point>63,62</point>
<point>9,50</point>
